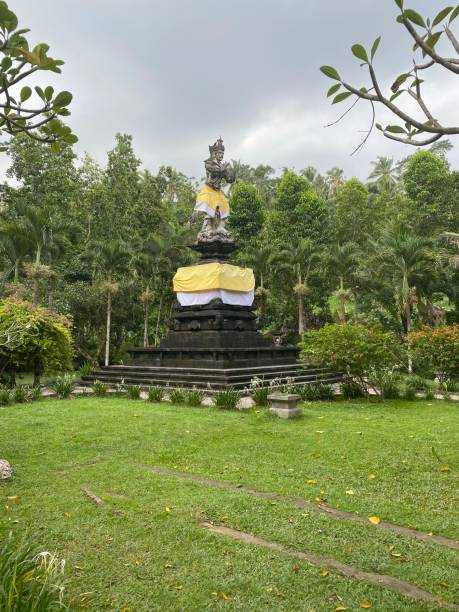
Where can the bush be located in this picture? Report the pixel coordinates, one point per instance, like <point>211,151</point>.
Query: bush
<point>260,395</point>
<point>351,390</point>
<point>227,399</point>
<point>451,386</point>
<point>390,391</point>
<point>5,396</point>
<point>33,338</point>
<point>177,396</point>
<point>20,394</point>
<point>362,353</point>
<point>133,392</point>
<point>86,369</point>
<point>409,393</point>
<point>29,579</point>
<point>63,386</point>
<point>435,351</point>
<point>194,397</point>
<point>155,394</point>
<point>100,389</point>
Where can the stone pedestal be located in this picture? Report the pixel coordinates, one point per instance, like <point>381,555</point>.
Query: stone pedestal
<point>285,405</point>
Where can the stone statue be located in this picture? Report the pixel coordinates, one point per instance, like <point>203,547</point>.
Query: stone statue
<point>211,201</point>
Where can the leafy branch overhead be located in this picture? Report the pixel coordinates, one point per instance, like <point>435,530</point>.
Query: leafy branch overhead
<point>35,112</point>
<point>416,129</point>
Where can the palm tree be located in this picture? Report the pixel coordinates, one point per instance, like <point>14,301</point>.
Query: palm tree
<point>261,257</point>
<point>16,246</point>
<point>334,178</point>
<point>302,259</point>
<point>406,260</point>
<point>110,258</point>
<point>342,261</point>
<point>385,174</point>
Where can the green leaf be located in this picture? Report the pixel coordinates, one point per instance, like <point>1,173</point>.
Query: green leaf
<point>330,72</point>
<point>360,53</point>
<point>6,63</point>
<point>399,3</point>
<point>454,14</point>
<point>433,39</point>
<point>342,96</point>
<point>62,99</point>
<point>378,126</point>
<point>395,129</point>
<point>49,92</point>
<point>396,95</point>
<point>71,139</point>
<point>41,93</point>
<point>375,46</point>
<point>333,89</point>
<point>441,15</point>
<point>55,147</point>
<point>8,19</point>
<point>26,92</point>
<point>414,17</point>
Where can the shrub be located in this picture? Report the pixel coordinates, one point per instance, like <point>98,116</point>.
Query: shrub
<point>155,394</point>
<point>133,392</point>
<point>435,351</point>
<point>177,396</point>
<point>227,399</point>
<point>390,391</point>
<point>100,388</point>
<point>260,396</point>
<point>30,579</point>
<point>451,386</point>
<point>86,369</point>
<point>19,394</point>
<point>351,390</point>
<point>5,396</point>
<point>63,386</point>
<point>362,353</point>
<point>194,397</point>
<point>33,338</point>
<point>119,389</point>
<point>430,394</point>
<point>409,393</point>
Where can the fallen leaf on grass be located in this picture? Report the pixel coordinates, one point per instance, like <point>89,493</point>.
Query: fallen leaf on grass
<point>374,520</point>
<point>67,514</point>
<point>179,587</point>
<point>168,509</point>
<point>325,573</point>
<point>312,481</point>
<point>137,562</point>
<point>226,596</point>
<point>365,605</point>
<point>444,468</point>
<point>444,584</point>
<point>269,590</point>
<point>320,432</point>
<point>13,497</point>
<point>371,476</point>
<point>340,609</point>
<point>349,492</point>
<point>168,565</point>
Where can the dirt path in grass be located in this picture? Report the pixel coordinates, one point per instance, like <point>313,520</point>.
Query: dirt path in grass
<point>302,503</point>
<point>381,580</point>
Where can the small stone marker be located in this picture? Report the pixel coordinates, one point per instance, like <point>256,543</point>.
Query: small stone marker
<point>6,471</point>
<point>285,405</point>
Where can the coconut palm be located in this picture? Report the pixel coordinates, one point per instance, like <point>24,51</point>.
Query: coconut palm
<point>261,257</point>
<point>342,260</point>
<point>385,174</point>
<point>16,245</point>
<point>109,258</point>
<point>334,178</point>
<point>302,259</point>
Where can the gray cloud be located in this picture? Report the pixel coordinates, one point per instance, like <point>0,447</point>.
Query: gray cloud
<point>178,73</point>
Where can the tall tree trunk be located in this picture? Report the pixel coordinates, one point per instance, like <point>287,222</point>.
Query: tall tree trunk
<point>158,319</point>
<point>109,321</point>
<point>16,270</point>
<point>146,312</point>
<point>300,307</point>
<point>406,291</point>
<point>342,302</point>
<point>36,373</point>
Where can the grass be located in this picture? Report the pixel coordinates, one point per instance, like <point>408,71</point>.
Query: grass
<point>145,549</point>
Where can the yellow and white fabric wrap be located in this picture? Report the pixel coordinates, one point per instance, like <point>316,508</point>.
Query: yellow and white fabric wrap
<point>198,285</point>
<point>209,198</point>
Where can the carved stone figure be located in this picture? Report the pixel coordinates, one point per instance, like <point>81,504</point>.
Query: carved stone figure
<point>211,201</point>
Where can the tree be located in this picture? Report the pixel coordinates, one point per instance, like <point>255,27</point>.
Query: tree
<point>110,259</point>
<point>36,115</point>
<point>342,260</point>
<point>38,339</point>
<point>302,259</point>
<point>247,214</point>
<point>385,174</point>
<point>426,33</point>
<point>353,216</point>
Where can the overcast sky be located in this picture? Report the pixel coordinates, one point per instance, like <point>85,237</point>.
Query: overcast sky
<point>176,74</point>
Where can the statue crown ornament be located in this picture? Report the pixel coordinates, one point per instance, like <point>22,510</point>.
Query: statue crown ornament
<point>217,146</point>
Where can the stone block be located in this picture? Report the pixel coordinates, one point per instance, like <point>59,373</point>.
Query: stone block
<point>285,405</point>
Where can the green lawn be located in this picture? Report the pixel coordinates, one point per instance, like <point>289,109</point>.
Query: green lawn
<point>145,549</point>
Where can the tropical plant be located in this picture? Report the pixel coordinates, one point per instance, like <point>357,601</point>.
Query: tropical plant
<point>227,399</point>
<point>86,369</point>
<point>155,394</point>
<point>30,579</point>
<point>342,260</point>
<point>133,392</point>
<point>435,351</point>
<point>63,385</point>
<point>100,388</point>
<point>194,397</point>
<point>385,174</point>
<point>177,396</point>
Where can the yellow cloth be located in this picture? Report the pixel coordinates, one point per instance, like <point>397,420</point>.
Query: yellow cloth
<point>214,276</point>
<point>210,198</point>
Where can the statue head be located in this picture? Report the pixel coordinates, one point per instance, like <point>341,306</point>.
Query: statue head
<point>217,150</point>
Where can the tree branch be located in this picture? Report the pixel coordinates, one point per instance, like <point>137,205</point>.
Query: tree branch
<point>411,141</point>
<point>453,41</point>
<point>428,50</point>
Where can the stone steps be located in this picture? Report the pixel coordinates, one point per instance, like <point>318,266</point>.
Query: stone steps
<point>237,378</point>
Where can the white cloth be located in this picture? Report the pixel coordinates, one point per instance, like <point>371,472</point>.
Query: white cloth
<point>210,212</point>
<point>199,298</point>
